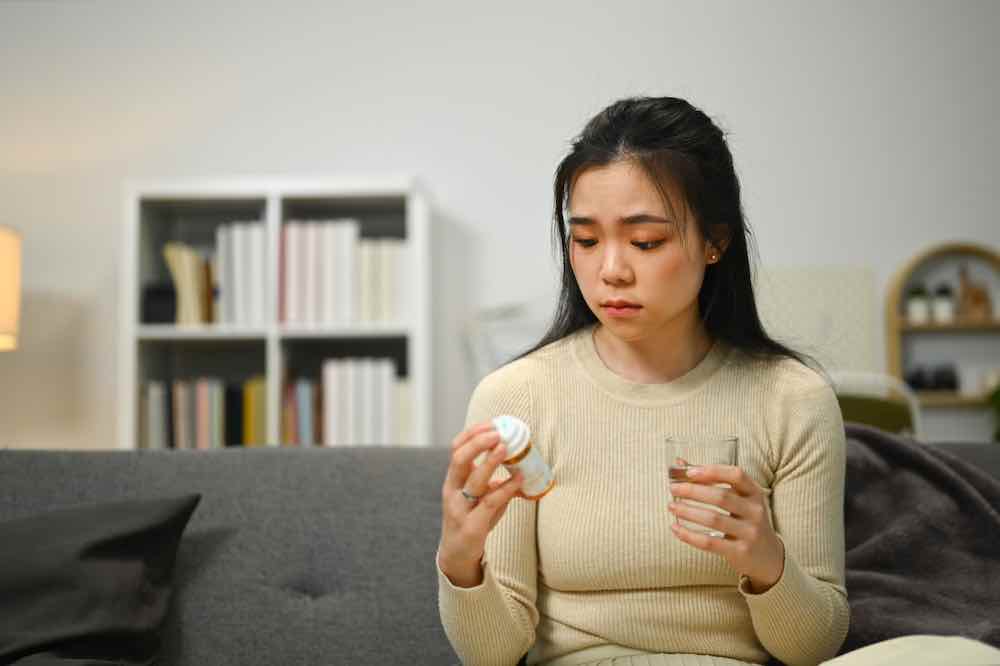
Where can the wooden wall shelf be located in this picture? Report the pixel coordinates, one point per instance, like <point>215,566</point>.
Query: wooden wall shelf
<point>897,327</point>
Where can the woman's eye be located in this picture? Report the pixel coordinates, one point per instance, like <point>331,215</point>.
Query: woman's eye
<point>647,245</point>
<point>585,242</point>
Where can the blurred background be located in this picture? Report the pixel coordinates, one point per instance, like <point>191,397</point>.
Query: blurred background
<point>864,133</point>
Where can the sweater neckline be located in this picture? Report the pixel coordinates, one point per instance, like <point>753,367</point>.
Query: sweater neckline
<point>639,393</point>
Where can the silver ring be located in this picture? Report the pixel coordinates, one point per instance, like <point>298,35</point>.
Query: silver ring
<point>469,496</point>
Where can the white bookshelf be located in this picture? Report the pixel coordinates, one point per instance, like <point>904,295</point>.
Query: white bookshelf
<point>155,212</point>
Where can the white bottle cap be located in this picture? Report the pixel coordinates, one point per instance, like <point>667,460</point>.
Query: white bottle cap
<point>513,432</point>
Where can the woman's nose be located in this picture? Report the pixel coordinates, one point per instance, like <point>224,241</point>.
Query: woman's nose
<point>614,268</point>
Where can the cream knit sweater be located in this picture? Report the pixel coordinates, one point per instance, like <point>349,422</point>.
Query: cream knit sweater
<point>595,562</point>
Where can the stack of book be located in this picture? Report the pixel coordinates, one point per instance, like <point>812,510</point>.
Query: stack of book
<point>330,274</point>
<point>221,284</point>
<point>355,402</point>
<point>241,256</point>
<point>203,413</point>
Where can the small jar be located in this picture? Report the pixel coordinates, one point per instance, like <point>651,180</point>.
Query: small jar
<point>521,455</point>
<point>918,307</point>
<point>943,305</point>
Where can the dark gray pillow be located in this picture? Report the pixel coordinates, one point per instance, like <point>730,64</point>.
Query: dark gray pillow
<point>89,584</point>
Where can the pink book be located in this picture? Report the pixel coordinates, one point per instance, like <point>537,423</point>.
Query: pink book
<point>204,417</point>
<point>178,416</point>
<point>282,277</point>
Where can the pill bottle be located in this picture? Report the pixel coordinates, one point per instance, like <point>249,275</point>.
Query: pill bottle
<point>521,455</point>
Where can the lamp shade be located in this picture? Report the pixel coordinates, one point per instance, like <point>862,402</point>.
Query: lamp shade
<point>10,287</point>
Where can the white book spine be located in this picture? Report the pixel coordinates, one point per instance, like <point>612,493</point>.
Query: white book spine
<point>290,229</point>
<point>368,279</point>
<point>302,272</point>
<point>330,399</point>
<point>310,295</point>
<point>365,395</point>
<point>387,402</point>
<point>328,277</point>
<point>237,235</point>
<point>391,250</point>
<point>343,402</point>
<point>404,412</point>
<point>349,251</point>
<point>220,274</point>
<point>352,404</point>
<point>260,285</point>
<point>230,251</point>
<point>257,278</point>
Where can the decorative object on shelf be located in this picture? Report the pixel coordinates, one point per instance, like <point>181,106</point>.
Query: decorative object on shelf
<point>942,377</point>
<point>159,304</point>
<point>954,334</point>
<point>943,304</point>
<point>917,379</point>
<point>973,299</point>
<point>10,287</point>
<point>918,307</point>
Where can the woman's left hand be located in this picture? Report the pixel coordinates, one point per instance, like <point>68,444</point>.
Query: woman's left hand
<point>750,544</point>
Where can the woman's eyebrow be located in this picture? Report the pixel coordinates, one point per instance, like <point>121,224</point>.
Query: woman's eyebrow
<point>642,218</point>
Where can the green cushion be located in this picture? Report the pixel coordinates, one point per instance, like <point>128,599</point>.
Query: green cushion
<point>889,415</point>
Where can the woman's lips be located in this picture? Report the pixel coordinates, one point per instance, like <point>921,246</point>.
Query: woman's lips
<point>622,311</point>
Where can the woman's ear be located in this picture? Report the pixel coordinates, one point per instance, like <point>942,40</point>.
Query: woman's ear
<point>717,243</point>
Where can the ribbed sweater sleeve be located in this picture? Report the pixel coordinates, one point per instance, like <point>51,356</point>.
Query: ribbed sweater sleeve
<point>808,447</point>
<point>494,622</point>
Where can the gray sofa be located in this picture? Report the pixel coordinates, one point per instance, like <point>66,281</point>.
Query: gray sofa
<point>293,556</point>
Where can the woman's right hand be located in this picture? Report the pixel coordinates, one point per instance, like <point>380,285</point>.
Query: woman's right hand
<point>465,522</point>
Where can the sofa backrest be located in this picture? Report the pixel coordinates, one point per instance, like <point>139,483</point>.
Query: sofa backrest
<point>293,556</point>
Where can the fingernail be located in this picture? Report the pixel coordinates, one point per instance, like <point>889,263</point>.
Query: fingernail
<point>694,471</point>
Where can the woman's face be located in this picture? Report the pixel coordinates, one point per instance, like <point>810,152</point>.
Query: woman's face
<point>626,249</point>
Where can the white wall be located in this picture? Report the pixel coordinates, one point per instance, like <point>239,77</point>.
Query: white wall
<point>863,132</point>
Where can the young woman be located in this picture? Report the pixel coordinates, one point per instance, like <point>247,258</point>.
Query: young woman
<point>656,354</point>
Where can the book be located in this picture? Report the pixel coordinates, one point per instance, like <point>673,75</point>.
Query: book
<point>349,406</point>
<point>203,418</point>
<point>156,416</point>
<point>386,382</point>
<point>290,230</point>
<point>188,274</point>
<point>328,273</point>
<point>223,315</point>
<point>304,411</point>
<point>390,256</point>
<point>368,279</point>
<point>256,279</point>
<point>249,398</point>
<point>233,414</point>
<point>180,414</point>
<point>218,414</point>
<point>238,244</point>
<point>348,233</point>
<point>330,372</point>
<point>289,418</point>
<point>404,412</point>
<point>311,278</point>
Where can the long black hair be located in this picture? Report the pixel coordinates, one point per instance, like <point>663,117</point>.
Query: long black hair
<point>673,142</point>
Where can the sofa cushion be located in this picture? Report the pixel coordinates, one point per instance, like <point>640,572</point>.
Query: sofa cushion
<point>90,583</point>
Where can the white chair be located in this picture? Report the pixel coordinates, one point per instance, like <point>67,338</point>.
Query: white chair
<point>498,334</point>
<point>879,386</point>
